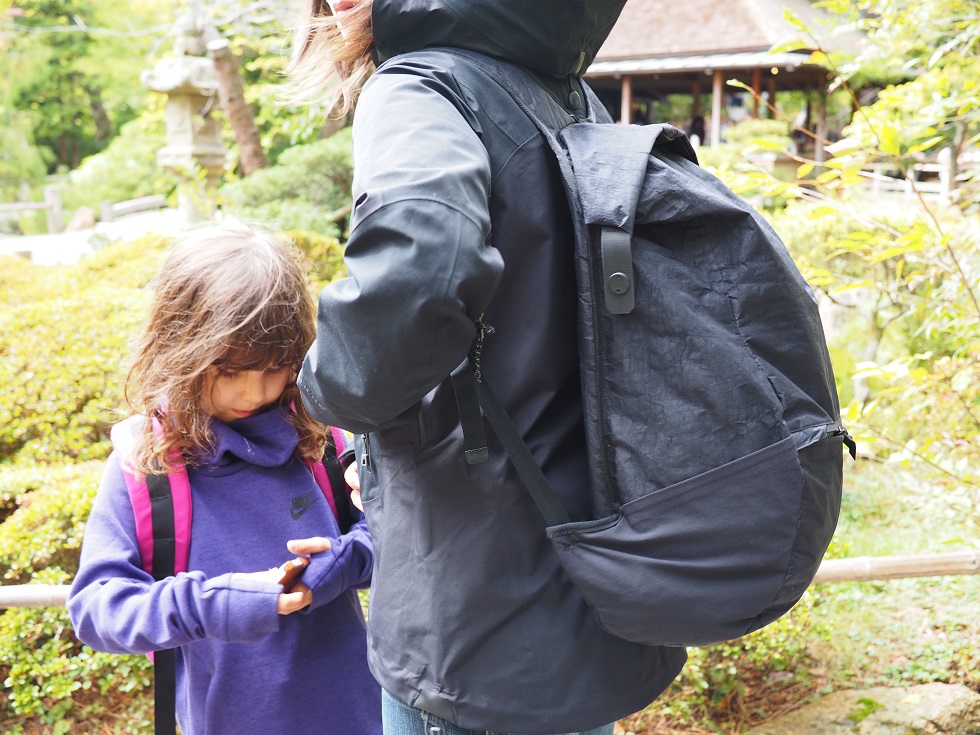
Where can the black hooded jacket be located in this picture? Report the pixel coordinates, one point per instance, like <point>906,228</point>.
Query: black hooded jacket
<point>460,212</point>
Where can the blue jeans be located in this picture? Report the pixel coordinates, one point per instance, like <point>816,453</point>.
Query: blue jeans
<point>401,719</point>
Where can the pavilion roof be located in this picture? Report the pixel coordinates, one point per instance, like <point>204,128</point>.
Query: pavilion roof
<point>649,29</point>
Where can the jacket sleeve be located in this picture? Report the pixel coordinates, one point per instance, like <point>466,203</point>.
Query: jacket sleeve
<point>115,606</point>
<point>420,269</point>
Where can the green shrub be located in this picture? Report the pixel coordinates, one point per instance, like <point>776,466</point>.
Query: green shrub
<point>308,189</point>
<point>63,338</point>
<point>51,679</point>
<point>21,163</point>
<point>324,254</point>
<point>722,681</point>
<point>47,675</point>
<point>44,531</point>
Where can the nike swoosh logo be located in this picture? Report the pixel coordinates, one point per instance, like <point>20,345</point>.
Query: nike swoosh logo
<point>301,504</point>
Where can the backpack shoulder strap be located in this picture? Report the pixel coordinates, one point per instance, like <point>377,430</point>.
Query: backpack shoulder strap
<point>329,476</point>
<point>161,507</point>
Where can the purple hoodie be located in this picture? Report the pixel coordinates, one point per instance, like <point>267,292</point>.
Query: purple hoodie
<point>241,667</point>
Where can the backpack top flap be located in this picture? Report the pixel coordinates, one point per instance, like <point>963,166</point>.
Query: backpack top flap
<point>612,165</point>
<point>700,340</point>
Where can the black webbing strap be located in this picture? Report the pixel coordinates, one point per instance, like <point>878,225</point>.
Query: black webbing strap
<point>165,691</point>
<point>164,662</point>
<point>617,270</point>
<point>542,494</point>
<point>470,419</point>
<point>338,486</point>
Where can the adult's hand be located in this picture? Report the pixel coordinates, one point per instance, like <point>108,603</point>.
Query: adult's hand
<point>353,481</point>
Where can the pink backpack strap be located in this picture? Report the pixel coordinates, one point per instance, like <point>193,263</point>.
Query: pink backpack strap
<point>320,475</point>
<point>139,497</point>
<point>320,472</point>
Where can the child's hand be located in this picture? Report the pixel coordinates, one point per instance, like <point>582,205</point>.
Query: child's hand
<point>353,481</point>
<point>290,602</point>
<point>306,546</point>
<point>301,596</point>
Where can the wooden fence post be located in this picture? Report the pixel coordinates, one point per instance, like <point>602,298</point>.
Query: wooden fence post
<point>52,199</point>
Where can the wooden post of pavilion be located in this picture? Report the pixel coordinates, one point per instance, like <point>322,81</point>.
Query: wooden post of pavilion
<point>717,94</point>
<point>819,153</point>
<point>626,102</point>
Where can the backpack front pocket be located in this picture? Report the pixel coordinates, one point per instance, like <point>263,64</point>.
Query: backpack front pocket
<point>693,563</point>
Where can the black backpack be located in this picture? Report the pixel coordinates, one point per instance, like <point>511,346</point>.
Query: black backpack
<point>711,413</point>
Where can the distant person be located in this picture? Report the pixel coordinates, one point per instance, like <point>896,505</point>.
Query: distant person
<point>461,221</point>
<point>696,132</point>
<point>215,371</point>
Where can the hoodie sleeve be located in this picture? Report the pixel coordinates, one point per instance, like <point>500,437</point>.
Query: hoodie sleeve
<point>345,566</point>
<point>420,268</point>
<point>115,606</point>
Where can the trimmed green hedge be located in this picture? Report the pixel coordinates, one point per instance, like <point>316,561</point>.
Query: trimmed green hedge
<point>309,188</point>
<point>64,334</point>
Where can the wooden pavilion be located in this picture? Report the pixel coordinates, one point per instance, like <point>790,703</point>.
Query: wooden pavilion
<point>692,47</point>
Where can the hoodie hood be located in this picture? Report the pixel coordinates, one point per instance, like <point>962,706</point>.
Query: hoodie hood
<point>556,37</point>
<point>266,439</point>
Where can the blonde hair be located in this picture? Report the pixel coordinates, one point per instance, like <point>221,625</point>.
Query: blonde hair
<point>228,295</point>
<point>330,63</point>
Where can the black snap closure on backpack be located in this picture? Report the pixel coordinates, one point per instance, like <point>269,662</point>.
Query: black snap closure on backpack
<point>619,283</point>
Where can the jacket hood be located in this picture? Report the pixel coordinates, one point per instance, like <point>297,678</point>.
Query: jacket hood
<point>557,37</point>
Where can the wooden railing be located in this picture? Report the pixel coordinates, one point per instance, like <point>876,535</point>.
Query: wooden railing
<point>859,569</point>
<point>868,568</point>
<point>110,211</point>
<point>932,180</point>
<point>51,203</point>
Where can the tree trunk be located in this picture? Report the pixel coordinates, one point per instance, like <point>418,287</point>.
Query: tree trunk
<point>103,125</point>
<point>231,92</point>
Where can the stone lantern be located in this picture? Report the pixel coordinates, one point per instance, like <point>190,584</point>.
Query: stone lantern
<point>193,153</point>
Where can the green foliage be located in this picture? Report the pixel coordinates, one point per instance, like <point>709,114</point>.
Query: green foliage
<point>126,169</point>
<point>76,85</point>
<point>902,631</point>
<point>46,674</point>
<point>866,708</point>
<point>308,189</point>
<point>726,677</point>
<point>325,255</point>
<point>759,132</point>
<point>21,162</point>
<point>752,159</point>
<point>899,279</point>
<point>43,533</point>
<point>62,341</point>
<point>50,678</point>
<point>281,126</point>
